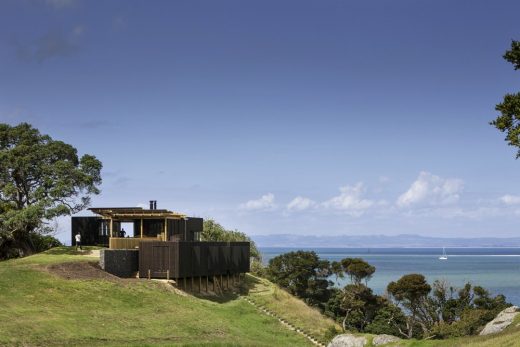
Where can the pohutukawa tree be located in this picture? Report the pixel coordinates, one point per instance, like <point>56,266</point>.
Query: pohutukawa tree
<point>509,108</point>
<point>40,179</point>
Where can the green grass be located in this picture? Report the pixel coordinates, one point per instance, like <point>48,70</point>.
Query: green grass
<point>41,309</point>
<point>295,311</point>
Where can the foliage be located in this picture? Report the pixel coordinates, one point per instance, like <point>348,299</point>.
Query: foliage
<point>257,268</point>
<point>213,231</point>
<point>470,323</point>
<point>337,270</point>
<point>360,306</point>
<point>358,269</point>
<point>447,312</point>
<point>509,119</point>
<point>412,309</point>
<point>44,242</point>
<point>40,179</point>
<point>302,274</point>
<point>389,319</point>
<point>332,307</point>
<point>411,292</point>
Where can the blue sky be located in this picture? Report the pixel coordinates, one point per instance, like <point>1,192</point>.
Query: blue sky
<point>304,117</point>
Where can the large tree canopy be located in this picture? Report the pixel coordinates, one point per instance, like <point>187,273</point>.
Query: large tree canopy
<point>509,119</point>
<point>40,179</point>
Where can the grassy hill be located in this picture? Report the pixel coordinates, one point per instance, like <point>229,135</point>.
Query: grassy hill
<point>59,298</point>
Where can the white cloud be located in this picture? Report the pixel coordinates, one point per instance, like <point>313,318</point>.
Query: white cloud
<point>350,200</point>
<point>266,202</point>
<point>429,189</point>
<point>510,199</point>
<point>300,203</point>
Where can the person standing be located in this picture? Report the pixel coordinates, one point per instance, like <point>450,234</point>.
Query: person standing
<point>78,241</point>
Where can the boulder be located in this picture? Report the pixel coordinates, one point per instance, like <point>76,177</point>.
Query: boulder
<point>348,340</point>
<point>383,339</point>
<point>501,321</point>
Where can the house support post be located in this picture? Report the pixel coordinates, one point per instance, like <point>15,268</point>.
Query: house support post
<point>165,237</point>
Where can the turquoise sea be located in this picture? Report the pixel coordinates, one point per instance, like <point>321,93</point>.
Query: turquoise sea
<point>496,269</point>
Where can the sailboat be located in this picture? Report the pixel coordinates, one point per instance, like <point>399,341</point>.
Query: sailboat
<point>444,256</point>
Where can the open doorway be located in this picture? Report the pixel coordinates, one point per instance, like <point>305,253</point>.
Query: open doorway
<point>127,229</point>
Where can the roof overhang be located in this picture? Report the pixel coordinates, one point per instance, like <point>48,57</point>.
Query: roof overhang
<point>135,213</point>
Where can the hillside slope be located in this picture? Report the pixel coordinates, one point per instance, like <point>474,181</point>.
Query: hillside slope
<point>61,298</point>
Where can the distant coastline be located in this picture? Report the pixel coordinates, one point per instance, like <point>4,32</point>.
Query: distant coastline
<point>381,241</point>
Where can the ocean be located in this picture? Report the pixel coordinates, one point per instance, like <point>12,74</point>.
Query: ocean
<point>496,269</point>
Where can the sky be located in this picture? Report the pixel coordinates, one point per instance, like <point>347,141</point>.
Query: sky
<point>300,117</point>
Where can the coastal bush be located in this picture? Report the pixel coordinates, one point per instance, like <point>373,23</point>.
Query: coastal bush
<point>411,293</point>
<point>388,319</point>
<point>360,306</point>
<point>44,242</point>
<point>446,311</point>
<point>358,270</point>
<point>470,323</point>
<point>302,274</point>
<point>412,308</point>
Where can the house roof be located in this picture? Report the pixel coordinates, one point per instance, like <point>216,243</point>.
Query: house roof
<point>134,213</point>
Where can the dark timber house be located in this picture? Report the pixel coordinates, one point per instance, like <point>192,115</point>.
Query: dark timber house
<point>164,244</point>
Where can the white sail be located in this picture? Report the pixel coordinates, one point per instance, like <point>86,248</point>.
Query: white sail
<point>444,256</point>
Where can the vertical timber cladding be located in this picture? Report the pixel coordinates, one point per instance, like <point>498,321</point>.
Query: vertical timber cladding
<point>91,231</point>
<point>184,229</point>
<point>156,259</point>
<point>192,259</point>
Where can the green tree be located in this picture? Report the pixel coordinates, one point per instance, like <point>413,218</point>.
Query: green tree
<point>303,274</point>
<point>337,270</point>
<point>411,291</point>
<point>40,179</point>
<point>509,119</point>
<point>358,270</point>
<point>360,306</point>
<point>389,319</point>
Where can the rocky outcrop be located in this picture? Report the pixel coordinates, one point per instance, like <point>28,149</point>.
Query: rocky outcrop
<point>501,321</point>
<point>383,339</point>
<point>348,340</point>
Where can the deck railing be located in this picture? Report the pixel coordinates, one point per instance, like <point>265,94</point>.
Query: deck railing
<point>128,242</point>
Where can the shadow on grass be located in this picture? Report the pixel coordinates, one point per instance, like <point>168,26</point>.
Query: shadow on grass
<point>233,292</point>
<point>64,250</point>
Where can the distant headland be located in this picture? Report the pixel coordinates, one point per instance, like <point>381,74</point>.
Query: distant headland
<point>380,241</point>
